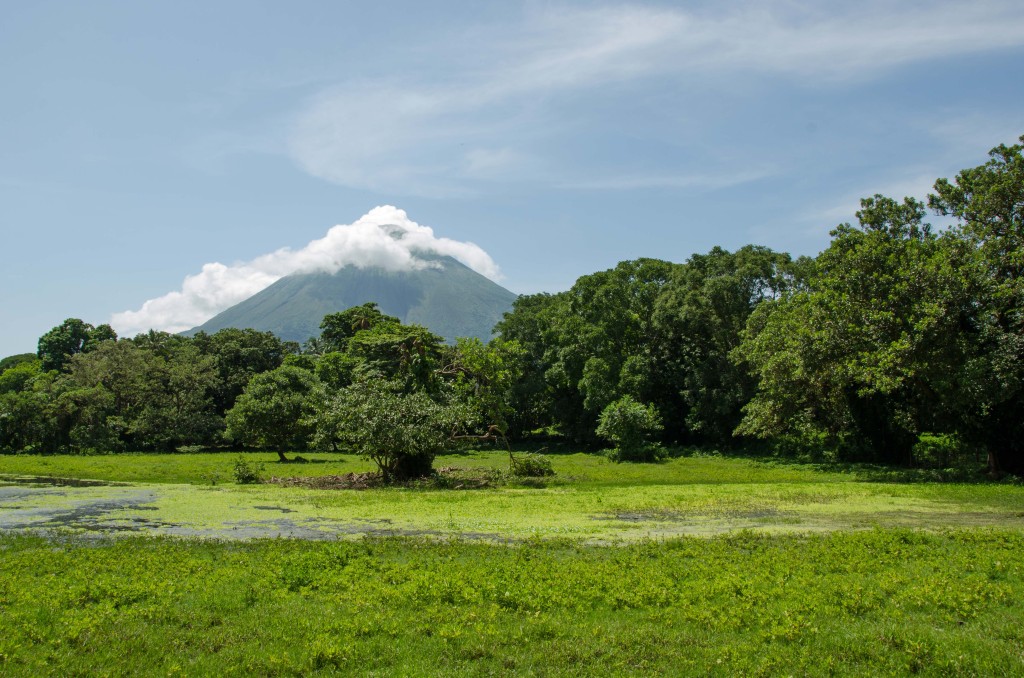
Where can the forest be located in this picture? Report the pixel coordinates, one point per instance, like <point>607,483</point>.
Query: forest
<point>901,343</point>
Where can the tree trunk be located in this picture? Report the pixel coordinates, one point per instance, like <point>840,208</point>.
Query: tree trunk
<point>281,458</point>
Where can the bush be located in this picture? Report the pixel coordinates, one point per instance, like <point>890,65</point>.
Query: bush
<point>247,473</point>
<point>630,425</point>
<point>936,450</point>
<point>648,453</point>
<point>807,444</point>
<point>531,465</point>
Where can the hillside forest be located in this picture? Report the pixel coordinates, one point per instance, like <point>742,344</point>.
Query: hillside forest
<point>900,343</point>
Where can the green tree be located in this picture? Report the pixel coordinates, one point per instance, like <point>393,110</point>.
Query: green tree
<point>239,355</point>
<point>337,370</point>
<point>595,341</point>
<point>872,353</point>
<point>17,359</point>
<point>484,376</point>
<point>103,394</point>
<point>271,411</point>
<point>181,410</point>
<point>699,318</point>
<point>27,422</point>
<point>529,324</point>
<point>630,425</point>
<point>409,354</point>
<point>337,329</point>
<point>400,432</point>
<point>988,203</point>
<point>71,337</point>
<point>123,396</point>
<point>14,379</point>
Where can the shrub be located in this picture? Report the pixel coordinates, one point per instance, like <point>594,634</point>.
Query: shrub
<point>247,473</point>
<point>630,425</point>
<point>936,450</point>
<point>531,465</point>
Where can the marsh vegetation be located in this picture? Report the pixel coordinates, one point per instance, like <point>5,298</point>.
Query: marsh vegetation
<point>701,564</point>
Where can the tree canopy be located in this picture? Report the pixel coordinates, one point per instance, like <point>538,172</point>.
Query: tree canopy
<point>896,336</point>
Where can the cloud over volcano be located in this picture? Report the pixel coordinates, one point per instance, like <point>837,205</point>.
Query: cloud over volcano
<point>384,237</point>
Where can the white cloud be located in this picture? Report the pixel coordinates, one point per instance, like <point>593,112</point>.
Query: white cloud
<point>384,237</point>
<point>497,118</point>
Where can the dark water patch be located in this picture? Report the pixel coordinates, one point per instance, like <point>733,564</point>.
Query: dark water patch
<point>282,509</point>
<point>55,481</point>
<point>87,515</point>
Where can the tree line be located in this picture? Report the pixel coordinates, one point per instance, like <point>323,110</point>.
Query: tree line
<point>900,343</point>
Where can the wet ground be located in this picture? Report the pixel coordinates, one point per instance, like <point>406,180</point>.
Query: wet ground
<point>43,505</point>
<point>37,504</point>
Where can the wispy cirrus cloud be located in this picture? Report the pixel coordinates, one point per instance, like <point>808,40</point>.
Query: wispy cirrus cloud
<point>501,115</point>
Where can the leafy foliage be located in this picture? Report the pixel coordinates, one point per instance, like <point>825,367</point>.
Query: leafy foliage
<point>873,352</point>
<point>400,432</point>
<point>71,337</point>
<point>988,203</point>
<point>888,346</point>
<point>631,425</point>
<point>247,472</point>
<point>16,360</point>
<point>699,319</point>
<point>531,465</point>
<point>270,412</point>
<point>877,602</point>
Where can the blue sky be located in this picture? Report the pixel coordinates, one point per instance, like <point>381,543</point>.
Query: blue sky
<point>142,141</point>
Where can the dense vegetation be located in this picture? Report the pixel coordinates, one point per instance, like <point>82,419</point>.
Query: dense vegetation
<point>884,602</point>
<point>897,344</point>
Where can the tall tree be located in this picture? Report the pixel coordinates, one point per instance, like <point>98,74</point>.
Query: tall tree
<point>871,353</point>
<point>240,355</point>
<point>599,344</point>
<point>699,318</point>
<point>988,203</point>
<point>271,412</point>
<point>529,324</point>
<point>71,337</point>
<point>337,329</point>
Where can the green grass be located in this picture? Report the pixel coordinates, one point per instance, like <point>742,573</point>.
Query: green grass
<point>703,565</point>
<point>198,469</point>
<point>890,602</point>
<point>578,469</point>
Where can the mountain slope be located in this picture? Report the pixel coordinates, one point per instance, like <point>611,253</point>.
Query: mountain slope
<point>451,300</point>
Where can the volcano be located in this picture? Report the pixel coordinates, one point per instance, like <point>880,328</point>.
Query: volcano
<point>447,297</point>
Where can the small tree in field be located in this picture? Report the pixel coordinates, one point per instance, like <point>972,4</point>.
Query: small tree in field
<point>630,425</point>
<point>400,432</point>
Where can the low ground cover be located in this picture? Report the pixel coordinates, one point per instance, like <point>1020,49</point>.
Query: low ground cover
<point>699,565</point>
<point>579,468</point>
<point>857,603</point>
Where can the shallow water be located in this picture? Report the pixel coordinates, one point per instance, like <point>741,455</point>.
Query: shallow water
<point>233,512</point>
<point>51,481</point>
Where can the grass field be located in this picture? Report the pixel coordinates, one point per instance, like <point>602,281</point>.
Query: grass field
<point>701,565</point>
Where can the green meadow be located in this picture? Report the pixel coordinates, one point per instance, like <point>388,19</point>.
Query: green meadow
<point>699,565</point>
